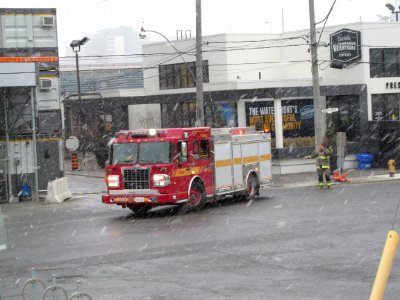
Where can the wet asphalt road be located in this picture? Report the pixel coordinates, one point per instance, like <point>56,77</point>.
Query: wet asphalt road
<point>289,244</point>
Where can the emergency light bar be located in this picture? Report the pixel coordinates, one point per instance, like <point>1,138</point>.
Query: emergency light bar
<point>145,133</point>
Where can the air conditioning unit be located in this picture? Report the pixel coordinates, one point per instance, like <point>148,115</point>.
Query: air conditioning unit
<point>45,84</point>
<point>47,21</point>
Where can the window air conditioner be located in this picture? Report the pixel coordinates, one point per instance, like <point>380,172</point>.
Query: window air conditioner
<point>45,84</point>
<point>47,21</point>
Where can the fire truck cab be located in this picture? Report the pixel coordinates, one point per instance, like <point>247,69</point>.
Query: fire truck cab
<point>185,166</point>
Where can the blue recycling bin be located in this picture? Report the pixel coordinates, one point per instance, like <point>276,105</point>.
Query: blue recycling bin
<point>364,161</point>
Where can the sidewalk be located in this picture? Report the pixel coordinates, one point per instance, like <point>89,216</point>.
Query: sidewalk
<point>285,181</point>
<point>354,175</point>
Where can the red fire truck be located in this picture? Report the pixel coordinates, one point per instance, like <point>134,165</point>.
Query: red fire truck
<point>186,166</point>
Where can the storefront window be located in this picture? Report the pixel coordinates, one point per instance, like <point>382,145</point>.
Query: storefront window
<point>297,117</point>
<point>385,107</point>
<point>220,114</point>
<point>346,119</point>
<point>176,115</point>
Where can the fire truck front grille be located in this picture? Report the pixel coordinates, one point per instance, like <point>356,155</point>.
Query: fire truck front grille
<point>136,179</point>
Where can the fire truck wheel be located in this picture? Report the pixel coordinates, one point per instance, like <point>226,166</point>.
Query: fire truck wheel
<point>197,198</point>
<point>139,210</point>
<point>251,190</point>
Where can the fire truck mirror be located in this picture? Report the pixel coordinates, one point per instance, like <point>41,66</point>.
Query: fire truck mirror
<point>182,152</point>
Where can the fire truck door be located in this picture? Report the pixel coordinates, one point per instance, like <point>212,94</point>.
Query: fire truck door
<point>182,174</point>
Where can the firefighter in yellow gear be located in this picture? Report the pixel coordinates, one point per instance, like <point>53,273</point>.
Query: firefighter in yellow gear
<point>323,164</point>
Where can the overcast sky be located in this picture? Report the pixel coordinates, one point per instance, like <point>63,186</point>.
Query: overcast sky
<point>77,18</point>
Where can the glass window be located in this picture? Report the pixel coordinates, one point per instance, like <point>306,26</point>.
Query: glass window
<point>390,62</point>
<point>204,149</point>
<point>347,118</point>
<point>170,77</point>
<point>385,107</point>
<point>124,153</point>
<point>182,75</point>
<point>176,77</point>
<point>163,77</point>
<point>183,69</point>
<point>155,153</point>
<point>376,62</point>
<point>185,112</point>
<point>191,74</point>
<point>196,150</point>
<point>220,114</point>
<point>384,62</point>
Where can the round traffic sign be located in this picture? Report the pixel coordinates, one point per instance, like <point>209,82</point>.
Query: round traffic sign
<point>72,143</point>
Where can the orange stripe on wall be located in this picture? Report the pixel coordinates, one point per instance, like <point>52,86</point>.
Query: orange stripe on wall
<point>29,59</point>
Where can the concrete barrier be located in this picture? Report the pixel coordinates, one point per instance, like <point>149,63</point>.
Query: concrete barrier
<point>57,191</point>
<point>301,165</point>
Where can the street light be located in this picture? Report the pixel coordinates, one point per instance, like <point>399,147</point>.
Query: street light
<point>76,47</point>
<point>392,9</point>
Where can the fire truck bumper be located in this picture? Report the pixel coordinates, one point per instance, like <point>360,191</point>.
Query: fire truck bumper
<point>154,200</point>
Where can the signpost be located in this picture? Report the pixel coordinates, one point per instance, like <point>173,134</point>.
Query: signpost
<point>72,144</point>
<point>330,110</point>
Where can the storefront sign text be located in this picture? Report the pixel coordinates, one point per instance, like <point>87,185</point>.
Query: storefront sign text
<point>345,45</point>
<point>393,85</point>
<point>297,116</point>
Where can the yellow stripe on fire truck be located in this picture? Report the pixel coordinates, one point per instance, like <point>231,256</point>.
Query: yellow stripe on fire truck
<point>187,171</point>
<point>238,161</point>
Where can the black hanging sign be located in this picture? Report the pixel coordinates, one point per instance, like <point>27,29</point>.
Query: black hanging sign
<point>345,45</point>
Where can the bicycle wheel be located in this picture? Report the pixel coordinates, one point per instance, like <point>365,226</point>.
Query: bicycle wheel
<point>55,292</point>
<point>33,289</point>
<point>80,296</point>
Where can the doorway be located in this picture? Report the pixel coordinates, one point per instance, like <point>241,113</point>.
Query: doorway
<point>347,118</point>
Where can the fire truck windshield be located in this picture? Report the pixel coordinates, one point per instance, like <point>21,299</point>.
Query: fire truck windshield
<point>142,153</point>
<point>156,153</point>
<point>124,153</point>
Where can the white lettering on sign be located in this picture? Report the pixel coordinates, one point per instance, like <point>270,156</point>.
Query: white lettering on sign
<point>270,110</point>
<point>344,38</point>
<point>345,46</point>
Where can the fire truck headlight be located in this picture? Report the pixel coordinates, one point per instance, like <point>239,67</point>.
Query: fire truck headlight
<point>113,180</point>
<point>161,180</point>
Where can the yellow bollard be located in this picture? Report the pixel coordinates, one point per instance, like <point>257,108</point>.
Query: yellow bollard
<point>385,266</point>
<point>391,167</point>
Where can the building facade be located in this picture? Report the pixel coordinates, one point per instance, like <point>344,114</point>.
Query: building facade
<point>30,112</point>
<point>250,76</point>
<point>265,80</point>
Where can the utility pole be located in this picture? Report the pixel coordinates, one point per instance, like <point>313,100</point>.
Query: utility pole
<point>199,69</point>
<point>319,124</point>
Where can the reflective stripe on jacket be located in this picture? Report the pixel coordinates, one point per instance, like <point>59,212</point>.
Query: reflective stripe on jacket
<point>323,158</point>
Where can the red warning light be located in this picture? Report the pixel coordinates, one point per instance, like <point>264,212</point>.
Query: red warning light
<point>237,131</point>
